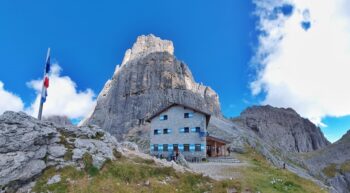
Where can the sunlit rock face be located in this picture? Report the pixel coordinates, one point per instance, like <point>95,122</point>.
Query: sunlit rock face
<point>284,128</point>
<point>149,78</point>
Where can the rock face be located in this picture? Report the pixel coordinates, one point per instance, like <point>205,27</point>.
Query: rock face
<point>28,146</point>
<point>283,128</point>
<point>149,78</point>
<point>332,164</point>
<point>58,120</point>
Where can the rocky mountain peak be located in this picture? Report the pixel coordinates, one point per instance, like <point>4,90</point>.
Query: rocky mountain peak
<point>149,78</point>
<point>146,44</point>
<point>284,127</point>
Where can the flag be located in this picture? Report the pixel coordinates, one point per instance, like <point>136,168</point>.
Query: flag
<point>46,78</point>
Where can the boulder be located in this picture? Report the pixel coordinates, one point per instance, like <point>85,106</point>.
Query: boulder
<point>54,179</point>
<point>57,150</point>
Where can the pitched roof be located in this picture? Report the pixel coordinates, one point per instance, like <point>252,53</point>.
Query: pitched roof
<point>207,115</point>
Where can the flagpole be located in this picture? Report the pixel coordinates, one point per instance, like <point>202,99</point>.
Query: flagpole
<point>41,98</point>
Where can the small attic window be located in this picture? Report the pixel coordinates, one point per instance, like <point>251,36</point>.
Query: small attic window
<point>163,117</point>
<point>188,115</point>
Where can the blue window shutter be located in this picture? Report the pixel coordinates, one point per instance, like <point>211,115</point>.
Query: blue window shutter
<point>190,115</point>
<point>161,118</point>
<point>202,147</point>
<point>181,147</point>
<point>182,130</point>
<point>160,147</point>
<point>169,130</point>
<point>160,131</point>
<point>152,147</point>
<point>191,147</point>
<point>193,130</point>
<point>170,147</point>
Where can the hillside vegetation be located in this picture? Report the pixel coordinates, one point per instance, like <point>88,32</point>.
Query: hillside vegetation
<point>135,174</point>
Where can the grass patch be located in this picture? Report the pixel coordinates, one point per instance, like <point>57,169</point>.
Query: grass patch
<point>143,161</point>
<point>142,175</point>
<point>67,173</point>
<point>260,176</point>
<point>130,175</point>
<point>68,145</point>
<point>330,170</point>
<point>345,167</point>
<point>68,155</point>
<point>89,167</point>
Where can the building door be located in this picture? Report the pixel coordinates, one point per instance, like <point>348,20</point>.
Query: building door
<point>176,147</point>
<point>209,150</point>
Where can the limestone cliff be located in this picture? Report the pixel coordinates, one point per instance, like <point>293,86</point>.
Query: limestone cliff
<point>149,77</point>
<point>283,128</point>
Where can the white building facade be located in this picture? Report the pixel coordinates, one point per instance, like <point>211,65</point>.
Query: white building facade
<point>179,128</point>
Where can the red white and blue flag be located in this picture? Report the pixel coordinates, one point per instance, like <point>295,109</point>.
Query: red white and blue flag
<point>46,78</point>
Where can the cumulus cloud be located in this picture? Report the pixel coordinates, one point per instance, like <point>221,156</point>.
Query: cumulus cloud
<point>63,97</point>
<point>9,101</point>
<point>303,57</point>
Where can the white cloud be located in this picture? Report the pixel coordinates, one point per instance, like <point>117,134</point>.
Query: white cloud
<point>9,101</point>
<point>307,68</point>
<point>63,97</point>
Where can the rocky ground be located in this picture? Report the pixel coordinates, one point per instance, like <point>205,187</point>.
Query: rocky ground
<point>41,156</point>
<point>29,146</point>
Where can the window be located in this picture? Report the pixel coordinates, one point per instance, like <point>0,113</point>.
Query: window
<point>186,147</point>
<point>170,147</point>
<point>155,147</point>
<point>197,147</point>
<point>163,117</point>
<point>196,130</point>
<point>166,131</point>
<point>188,115</point>
<point>186,130</point>
<point>157,132</point>
<point>165,147</point>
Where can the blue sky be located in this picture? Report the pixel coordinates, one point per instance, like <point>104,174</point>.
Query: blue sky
<point>217,39</point>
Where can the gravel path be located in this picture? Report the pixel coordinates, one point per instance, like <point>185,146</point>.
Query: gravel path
<point>218,171</point>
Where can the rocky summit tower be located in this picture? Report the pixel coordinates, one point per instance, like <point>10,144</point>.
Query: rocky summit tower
<point>149,78</point>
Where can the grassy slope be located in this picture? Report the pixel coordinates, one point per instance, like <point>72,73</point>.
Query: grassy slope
<point>128,175</point>
<point>260,176</point>
<point>133,175</point>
